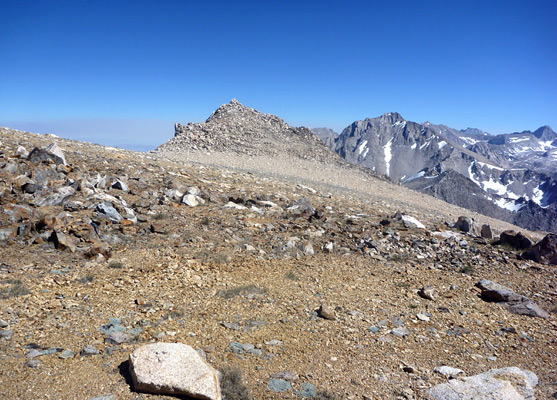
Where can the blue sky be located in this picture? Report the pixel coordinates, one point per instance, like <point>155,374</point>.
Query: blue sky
<point>123,72</point>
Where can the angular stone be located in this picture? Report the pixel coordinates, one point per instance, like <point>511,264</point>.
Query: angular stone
<point>173,368</point>
<point>422,317</point>
<point>120,185</point>
<point>57,197</point>
<point>401,332</point>
<point>517,304</point>
<point>449,372</point>
<point>22,152</point>
<point>528,308</point>
<point>464,224</point>
<point>515,240</point>
<point>110,212</point>
<point>174,194</point>
<point>89,351</point>
<point>509,383</point>
<point>486,232</point>
<point>279,385</point>
<point>192,200</point>
<point>66,354</point>
<point>326,312</point>
<point>492,291</point>
<point>118,338</point>
<point>411,222</point>
<point>428,292</point>
<point>52,153</point>
<point>63,241</point>
<point>544,252</point>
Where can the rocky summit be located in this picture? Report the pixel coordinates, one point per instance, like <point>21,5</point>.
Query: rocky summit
<point>236,128</point>
<point>293,279</point>
<point>510,177</point>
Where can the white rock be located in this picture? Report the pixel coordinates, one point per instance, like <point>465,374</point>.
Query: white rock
<point>57,151</point>
<point>173,368</point>
<point>231,204</point>
<point>509,383</point>
<point>449,372</point>
<point>411,222</point>
<point>174,194</point>
<point>422,317</point>
<point>193,190</point>
<point>446,235</point>
<point>22,151</point>
<point>192,200</point>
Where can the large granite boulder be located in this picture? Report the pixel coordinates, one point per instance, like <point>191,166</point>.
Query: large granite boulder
<point>173,368</point>
<point>509,383</point>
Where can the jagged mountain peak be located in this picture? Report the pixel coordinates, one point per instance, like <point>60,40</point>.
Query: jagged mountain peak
<point>545,132</point>
<point>391,117</point>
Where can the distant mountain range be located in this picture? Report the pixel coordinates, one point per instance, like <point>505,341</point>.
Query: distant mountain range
<point>512,177</point>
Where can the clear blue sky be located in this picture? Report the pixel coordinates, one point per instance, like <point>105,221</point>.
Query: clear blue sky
<point>122,72</point>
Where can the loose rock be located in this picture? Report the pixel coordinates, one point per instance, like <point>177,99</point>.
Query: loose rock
<point>173,368</point>
<point>509,383</point>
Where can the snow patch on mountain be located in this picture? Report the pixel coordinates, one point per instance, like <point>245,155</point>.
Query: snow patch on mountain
<point>509,204</point>
<point>415,176</point>
<point>537,197</point>
<point>362,146</point>
<point>518,139</point>
<point>388,156</point>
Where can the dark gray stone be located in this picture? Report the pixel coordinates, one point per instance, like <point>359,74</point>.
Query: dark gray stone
<point>279,385</point>
<point>545,251</point>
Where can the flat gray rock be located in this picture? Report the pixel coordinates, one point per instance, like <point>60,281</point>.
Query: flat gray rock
<point>492,291</point>
<point>173,368</point>
<point>509,383</point>
<point>516,303</point>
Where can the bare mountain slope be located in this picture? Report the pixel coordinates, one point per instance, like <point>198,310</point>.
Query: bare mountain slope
<point>236,128</point>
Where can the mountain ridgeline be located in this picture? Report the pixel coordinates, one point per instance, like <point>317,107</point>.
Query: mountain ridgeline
<point>512,177</point>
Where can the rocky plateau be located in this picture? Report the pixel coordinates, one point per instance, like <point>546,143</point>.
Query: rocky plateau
<point>278,260</point>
